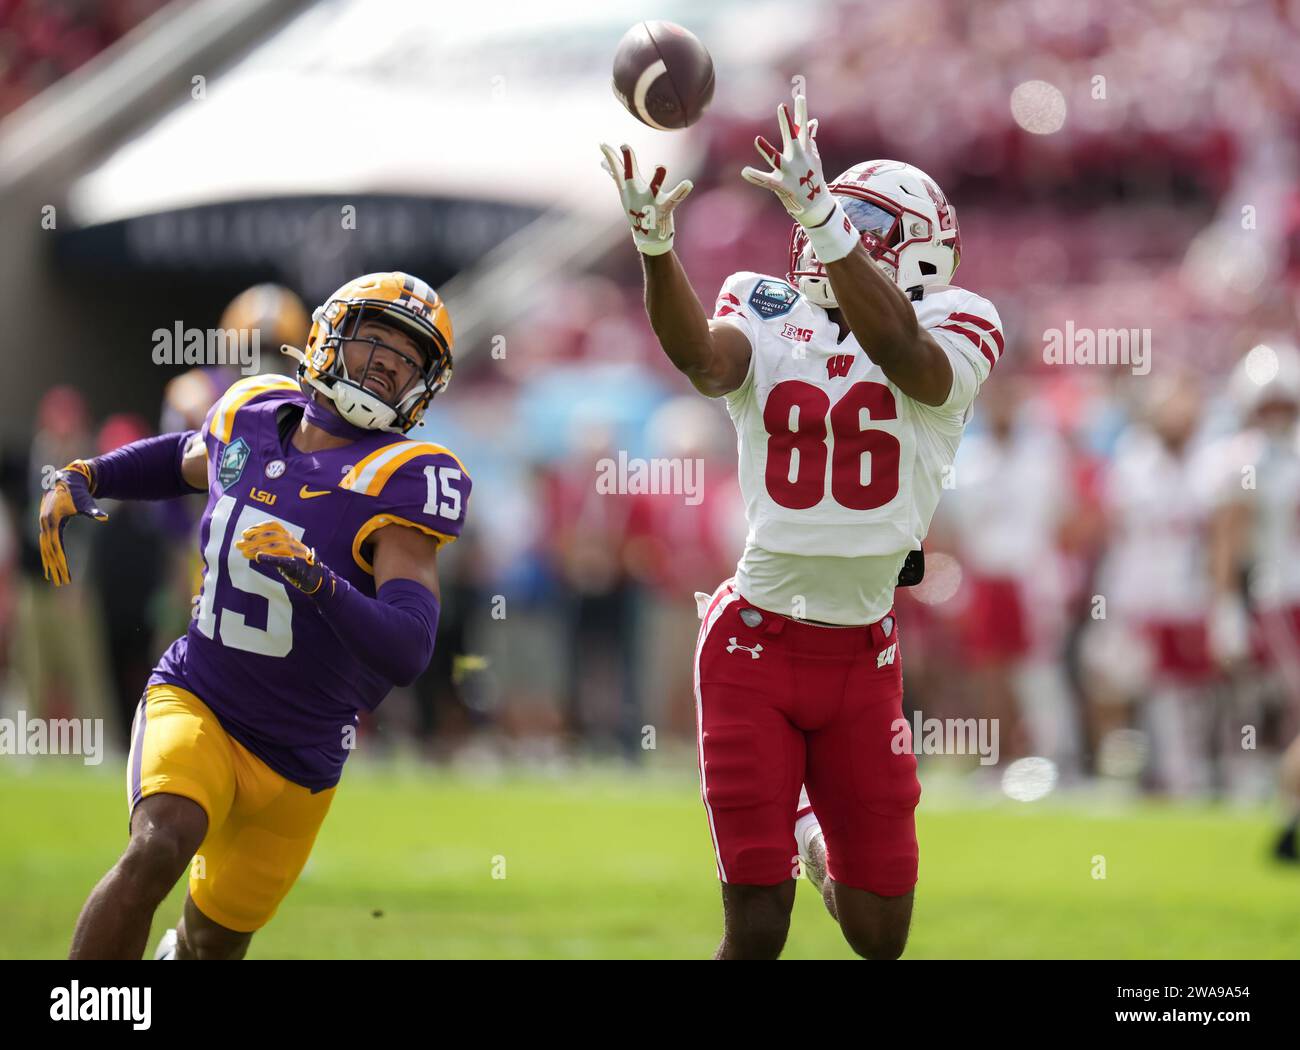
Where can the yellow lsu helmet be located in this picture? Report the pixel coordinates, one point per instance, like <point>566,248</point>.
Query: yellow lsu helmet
<point>395,298</point>
<point>271,309</point>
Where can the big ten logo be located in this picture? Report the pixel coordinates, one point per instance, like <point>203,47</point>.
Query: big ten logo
<point>800,335</point>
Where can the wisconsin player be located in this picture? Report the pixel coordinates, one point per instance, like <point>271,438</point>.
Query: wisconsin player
<point>849,381</point>
<point>320,593</point>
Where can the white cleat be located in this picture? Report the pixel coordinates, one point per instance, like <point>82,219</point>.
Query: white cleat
<point>167,946</point>
<point>812,854</point>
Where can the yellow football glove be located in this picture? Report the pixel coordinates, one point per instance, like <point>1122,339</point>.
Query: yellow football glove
<point>66,498</point>
<point>270,544</point>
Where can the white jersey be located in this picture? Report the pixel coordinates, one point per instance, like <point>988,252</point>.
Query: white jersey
<point>1157,565</point>
<point>839,469</point>
<point>1263,471</point>
<point>1009,499</point>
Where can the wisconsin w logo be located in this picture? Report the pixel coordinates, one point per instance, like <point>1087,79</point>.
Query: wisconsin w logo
<point>838,365</point>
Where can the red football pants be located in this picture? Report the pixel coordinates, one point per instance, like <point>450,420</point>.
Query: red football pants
<point>781,703</point>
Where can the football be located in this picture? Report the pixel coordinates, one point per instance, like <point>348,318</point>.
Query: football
<point>663,75</point>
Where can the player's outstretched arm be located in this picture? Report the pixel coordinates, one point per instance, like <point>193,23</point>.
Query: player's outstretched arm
<point>391,633</point>
<point>878,313</point>
<point>162,467</point>
<point>713,356</point>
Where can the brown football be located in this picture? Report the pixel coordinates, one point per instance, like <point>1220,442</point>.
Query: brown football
<point>663,75</point>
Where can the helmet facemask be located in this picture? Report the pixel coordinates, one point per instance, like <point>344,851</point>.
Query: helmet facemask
<point>358,403</point>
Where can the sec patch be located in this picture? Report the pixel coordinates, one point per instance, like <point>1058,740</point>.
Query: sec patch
<point>772,298</point>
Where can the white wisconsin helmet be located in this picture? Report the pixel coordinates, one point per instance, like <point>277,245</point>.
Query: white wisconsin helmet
<point>907,226</point>
<point>1270,373</point>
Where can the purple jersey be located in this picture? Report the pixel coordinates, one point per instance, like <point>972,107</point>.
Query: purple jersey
<point>258,652</point>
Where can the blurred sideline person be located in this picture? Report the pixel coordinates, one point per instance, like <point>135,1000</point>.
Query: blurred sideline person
<point>60,643</point>
<point>863,348</point>
<point>587,539</point>
<point>1153,643</point>
<point>676,543</point>
<point>278,317</point>
<point>320,593</point>
<point>1255,548</point>
<point>1009,500</point>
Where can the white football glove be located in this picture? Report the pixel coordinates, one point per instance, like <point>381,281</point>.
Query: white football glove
<point>649,210</point>
<point>796,175</point>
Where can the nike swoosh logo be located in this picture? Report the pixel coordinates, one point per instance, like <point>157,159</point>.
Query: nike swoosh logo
<point>306,493</point>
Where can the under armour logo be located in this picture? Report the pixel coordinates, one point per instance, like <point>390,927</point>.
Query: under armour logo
<point>887,655</point>
<point>807,180</point>
<point>640,225</point>
<point>734,645</point>
<point>838,365</point>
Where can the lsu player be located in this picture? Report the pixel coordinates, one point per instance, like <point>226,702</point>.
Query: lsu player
<point>849,382</point>
<point>320,593</point>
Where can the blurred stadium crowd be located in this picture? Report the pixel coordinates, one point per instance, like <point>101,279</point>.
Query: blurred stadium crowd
<point>1113,167</point>
<point>42,41</point>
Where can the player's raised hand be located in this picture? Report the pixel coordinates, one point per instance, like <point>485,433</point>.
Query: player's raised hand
<point>648,209</point>
<point>66,498</point>
<point>796,174</point>
<point>272,548</point>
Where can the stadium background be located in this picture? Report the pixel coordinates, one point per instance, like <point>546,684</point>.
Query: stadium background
<point>159,159</point>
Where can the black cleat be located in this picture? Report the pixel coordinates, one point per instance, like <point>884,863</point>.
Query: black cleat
<point>1286,848</point>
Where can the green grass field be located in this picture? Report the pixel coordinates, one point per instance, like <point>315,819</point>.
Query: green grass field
<point>618,865</point>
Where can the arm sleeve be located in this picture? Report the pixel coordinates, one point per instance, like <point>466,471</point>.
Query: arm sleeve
<point>391,633</point>
<point>149,469</point>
